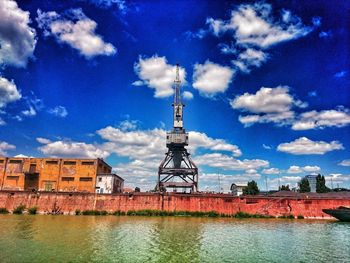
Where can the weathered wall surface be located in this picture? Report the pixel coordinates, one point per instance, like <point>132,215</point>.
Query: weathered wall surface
<point>226,204</point>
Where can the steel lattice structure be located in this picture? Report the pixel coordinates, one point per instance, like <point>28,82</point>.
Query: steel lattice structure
<point>177,170</point>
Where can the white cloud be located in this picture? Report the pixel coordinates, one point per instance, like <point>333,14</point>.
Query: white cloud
<point>294,169</point>
<point>187,95</point>
<point>250,58</point>
<point>265,100</point>
<point>337,178</point>
<point>267,147</point>
<point>109,3</point>
<point>30,112</point>
<point>43,140</point>
<point>144,144</point>
<point>71,149</point>
<point>326,118</point>
<point>2,122</point>
<point>4,147</point>
<point>8,92</point>
<point>211,78</point>
<point>303,146</point>
<point>268,104</point>
<point>128,125</point>
<point>59,111</point>
<point>157,74</point>
<point>271,171</point>
<point>17,38</point>
<point>226,162</point>
<point>254,25</point>
<point>345,162</point>
<point>76,30</point>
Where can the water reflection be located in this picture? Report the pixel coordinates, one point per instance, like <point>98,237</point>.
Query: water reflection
<point>38,238</point>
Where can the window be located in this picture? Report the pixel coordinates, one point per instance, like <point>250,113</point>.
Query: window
<point>1,161</point>
<point>51,162</point>
<point>87,163</point>
<point>15,161</point>
<point>100,179</point>
<point>10,177</point>
<point>85,179</point>
<point>69,162</point>
<point>67,179</point>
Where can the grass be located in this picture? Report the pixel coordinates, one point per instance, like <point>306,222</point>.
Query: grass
<point>94,213</point>
<point>33,210</point>
<point>3,210</point>
<point>247,215</point>
<point>19,209</point>
<point>287,217</point>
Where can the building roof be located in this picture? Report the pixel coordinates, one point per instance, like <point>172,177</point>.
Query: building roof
<point>110,174</point>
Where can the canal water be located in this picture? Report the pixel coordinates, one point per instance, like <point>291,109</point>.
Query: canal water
<point>43,238</point>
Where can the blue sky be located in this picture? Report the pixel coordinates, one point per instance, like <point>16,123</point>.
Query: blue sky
<point>266,86</point>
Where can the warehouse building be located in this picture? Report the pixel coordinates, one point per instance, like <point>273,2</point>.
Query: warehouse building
<point>52,174</point>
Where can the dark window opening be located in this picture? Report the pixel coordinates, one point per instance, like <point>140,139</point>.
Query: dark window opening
<point>67,179</point>
<point>100,179</point>
<point>51,162</point>
<point>11,177</point>
<point>85,179</point>
<point>87,163</point>
<point>15,161</point>
<point>69,163</point>
<point>1,161</point>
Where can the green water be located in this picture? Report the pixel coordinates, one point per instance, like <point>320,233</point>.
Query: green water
<point>39,238</point>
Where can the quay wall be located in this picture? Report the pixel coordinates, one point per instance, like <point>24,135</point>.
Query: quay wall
<point>67,203</point>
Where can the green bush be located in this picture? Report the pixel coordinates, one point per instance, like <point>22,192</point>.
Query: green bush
<point>118,213</point>
<point>247,215</point>
<point>77,212</point>
<point>3,210</point>
<point>300,217</point>
<point>287,217</point>
<point>94,213</point>
<point>32,210</point>
<point>19,209</point>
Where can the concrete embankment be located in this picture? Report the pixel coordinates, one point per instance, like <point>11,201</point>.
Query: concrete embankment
<point>307,205</point>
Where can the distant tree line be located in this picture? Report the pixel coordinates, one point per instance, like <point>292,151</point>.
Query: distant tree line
<point>304,186</point>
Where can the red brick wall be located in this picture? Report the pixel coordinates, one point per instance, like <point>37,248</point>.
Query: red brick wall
<point>226,204</point>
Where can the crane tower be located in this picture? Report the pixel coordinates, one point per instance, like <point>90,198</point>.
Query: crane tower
<point>177,170</point>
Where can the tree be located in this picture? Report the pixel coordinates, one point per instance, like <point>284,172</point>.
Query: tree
<point>285,188</point>
<point>251,189</point>
<point>304,186</point>
<point>321,184</point>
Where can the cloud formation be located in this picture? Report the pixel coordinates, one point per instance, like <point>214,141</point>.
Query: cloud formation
<point>268,105</point>
<point>75,29</point>
<point>8,92</point>
<point>254,25</point>
<point>71,149</point>
<point>345,162</point>
<point>17,38</point>
<point>59,111</point>
<point>4,147</point>
<point>226,162</point>
<point>322,119</point>
<point>304,146</point>
<point>294,169</point>
<point>211,78</point>
<point>157,74</point>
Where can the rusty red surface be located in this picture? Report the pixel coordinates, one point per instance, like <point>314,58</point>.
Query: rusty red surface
<point>310,206</point>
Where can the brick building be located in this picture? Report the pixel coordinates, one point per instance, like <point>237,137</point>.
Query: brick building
<point>51,174</point>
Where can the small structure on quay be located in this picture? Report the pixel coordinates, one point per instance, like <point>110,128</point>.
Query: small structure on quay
<point>177,170</point>
<point>237,189</point>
